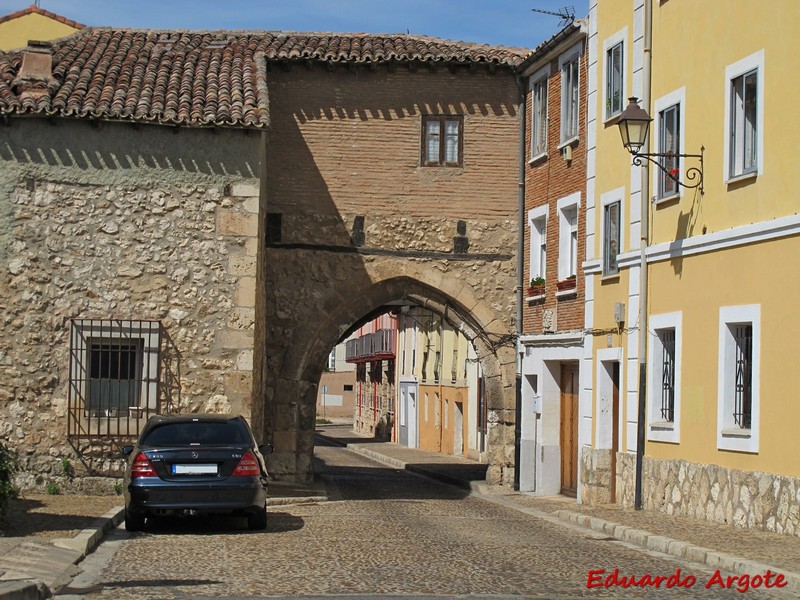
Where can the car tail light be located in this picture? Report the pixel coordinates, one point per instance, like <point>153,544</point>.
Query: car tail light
<point>142,467</point>
<point>248,466</point>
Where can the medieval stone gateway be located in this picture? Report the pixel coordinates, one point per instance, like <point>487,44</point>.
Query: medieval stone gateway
<point>247,199</point>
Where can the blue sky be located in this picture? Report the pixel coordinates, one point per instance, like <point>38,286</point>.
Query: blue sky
<point>499,22</point>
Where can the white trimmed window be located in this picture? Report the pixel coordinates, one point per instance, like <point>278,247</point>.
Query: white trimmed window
<point>744,117</point>
<point>568,236</point>
<point>668,139</point>
<point>569,64</point>
<point>537,221</point>
<point>614,72</point>
<point>612,236</point>
<point>738,377</point>
<point>539,113</point>
<point>664,367</point>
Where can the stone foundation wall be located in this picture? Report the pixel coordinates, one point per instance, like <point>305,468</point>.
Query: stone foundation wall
<point>713,493</point>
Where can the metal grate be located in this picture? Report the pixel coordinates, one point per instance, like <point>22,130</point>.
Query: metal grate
<point>115,375</point>
<point>668,375</point>
<point>743,400</point>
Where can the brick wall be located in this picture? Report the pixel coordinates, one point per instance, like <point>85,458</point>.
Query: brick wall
<point>547,180</point>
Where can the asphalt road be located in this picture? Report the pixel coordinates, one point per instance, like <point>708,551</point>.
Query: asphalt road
<point>384,533</point>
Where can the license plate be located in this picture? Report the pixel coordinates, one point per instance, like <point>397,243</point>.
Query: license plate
<point>194,469</point>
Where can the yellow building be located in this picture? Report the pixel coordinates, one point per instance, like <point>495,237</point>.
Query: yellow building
<point>439,406</point>
<point>33,23</point>
<point>719,280</point>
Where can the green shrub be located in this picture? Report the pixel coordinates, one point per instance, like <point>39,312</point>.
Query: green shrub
<point>66,466</point>
<point>9,464</point>
<point>52,488</point>
<point>118,488</point>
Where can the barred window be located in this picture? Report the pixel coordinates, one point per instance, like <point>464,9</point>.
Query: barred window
<point>114,376</point>
<point>667,338</point>
<point>743,399</point>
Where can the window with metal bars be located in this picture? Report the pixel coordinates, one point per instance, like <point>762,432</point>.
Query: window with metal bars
<point>115,376</point>
<point>667,338</point>
<point>743,382</point>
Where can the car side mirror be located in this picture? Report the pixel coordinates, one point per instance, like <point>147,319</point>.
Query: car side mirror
<point>127,450</point>
<point>265,448</point>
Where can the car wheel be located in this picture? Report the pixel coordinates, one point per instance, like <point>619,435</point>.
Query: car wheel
<point>133,522</point>
<point>257,520</point>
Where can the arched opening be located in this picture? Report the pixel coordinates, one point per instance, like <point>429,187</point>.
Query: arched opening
<point>292,377</point>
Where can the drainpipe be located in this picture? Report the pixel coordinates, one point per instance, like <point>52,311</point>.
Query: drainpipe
<point>520,280</point>
<point>645,221</point>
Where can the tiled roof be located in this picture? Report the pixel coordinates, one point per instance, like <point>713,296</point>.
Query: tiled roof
<point>33,9</point>
<point>201,78</point>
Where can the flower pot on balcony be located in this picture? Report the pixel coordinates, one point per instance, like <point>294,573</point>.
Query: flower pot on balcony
<point>536,290</point>
<point>566,284</point>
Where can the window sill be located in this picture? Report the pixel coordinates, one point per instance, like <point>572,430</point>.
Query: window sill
<point>736,433</point>
<point>538,158</point>
<point>612,120</point>
<point>609,277</point>
<point>662,426</point>
<point>743,177</point>
<point>570,142</point>
<point>657,201</point>
<point>535,298</point>
<point>567,293</point>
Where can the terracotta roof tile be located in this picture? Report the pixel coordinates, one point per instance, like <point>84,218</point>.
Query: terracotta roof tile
<point>203,78</point>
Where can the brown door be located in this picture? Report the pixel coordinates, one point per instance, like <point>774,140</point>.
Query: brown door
<point>569,429</point>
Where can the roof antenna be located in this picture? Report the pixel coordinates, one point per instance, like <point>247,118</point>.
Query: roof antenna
<point>566,14</point>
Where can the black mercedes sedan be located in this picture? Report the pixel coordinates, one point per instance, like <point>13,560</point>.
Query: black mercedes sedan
<point>185,465</point>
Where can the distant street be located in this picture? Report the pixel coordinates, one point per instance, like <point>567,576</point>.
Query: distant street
<point>384,532</point>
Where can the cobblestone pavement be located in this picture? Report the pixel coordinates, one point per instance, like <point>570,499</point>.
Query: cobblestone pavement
<point>384,532</point>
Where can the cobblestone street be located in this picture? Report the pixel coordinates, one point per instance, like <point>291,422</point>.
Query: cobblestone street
<point>383,532</point>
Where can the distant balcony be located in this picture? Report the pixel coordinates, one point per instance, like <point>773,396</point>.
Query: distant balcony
<point>372,346</point>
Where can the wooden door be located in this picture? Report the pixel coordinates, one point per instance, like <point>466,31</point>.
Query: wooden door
<point>569,429</point>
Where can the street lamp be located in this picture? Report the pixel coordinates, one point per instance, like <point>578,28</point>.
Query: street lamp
<point>634,123</point>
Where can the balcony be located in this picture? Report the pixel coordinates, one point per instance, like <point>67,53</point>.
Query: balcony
<point>372,346</point>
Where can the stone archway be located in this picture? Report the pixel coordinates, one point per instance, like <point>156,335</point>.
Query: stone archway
<point>292,365</point>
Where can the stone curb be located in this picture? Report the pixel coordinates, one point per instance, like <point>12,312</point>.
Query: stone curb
<point>677,548</point>
<point>60,564</point>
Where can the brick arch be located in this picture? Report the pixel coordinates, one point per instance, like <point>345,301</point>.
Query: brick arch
<point>289,425</point>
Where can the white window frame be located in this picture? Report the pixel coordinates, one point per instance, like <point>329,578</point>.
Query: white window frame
<point>610,197</point>
<point>658,429</point>
<point>729,435</point>
<point>573,54</point>
<point>621,37</point>
<point>540,78</point>
<point>750,63</point>
<point>537,222</point>
<point>675,98</point>
<point>567,263</point>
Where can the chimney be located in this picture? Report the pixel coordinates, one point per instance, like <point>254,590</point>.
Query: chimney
<point>36,74</point>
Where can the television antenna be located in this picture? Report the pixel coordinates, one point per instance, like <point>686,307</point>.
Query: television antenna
<point>566,14</point>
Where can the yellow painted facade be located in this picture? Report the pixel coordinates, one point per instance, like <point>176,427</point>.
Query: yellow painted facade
<point>436,357</point>
<point>714,259</point>
<point>17,32</point>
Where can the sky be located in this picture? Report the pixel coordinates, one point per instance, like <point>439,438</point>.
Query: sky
<point>496,22</point>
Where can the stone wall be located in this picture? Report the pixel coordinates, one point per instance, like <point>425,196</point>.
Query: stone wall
<point>709,492</point>
<point>159,241</point>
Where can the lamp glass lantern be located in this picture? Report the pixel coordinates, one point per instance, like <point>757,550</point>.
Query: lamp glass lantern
<point>633,122</point>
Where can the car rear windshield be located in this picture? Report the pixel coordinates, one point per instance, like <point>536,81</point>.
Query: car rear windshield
<point>197,433</point>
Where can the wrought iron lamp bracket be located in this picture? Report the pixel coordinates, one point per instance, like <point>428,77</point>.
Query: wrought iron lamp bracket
<point>692,173</point>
